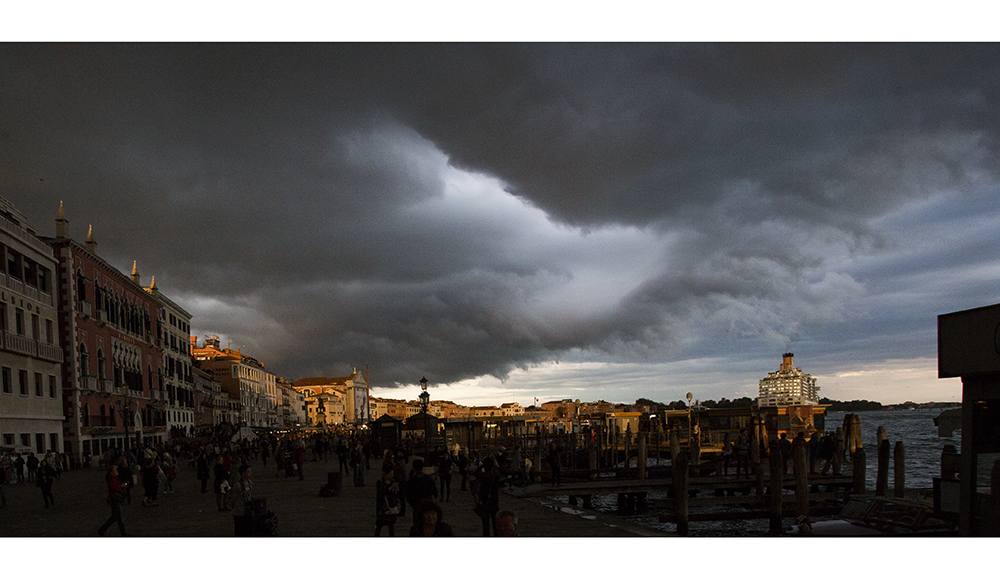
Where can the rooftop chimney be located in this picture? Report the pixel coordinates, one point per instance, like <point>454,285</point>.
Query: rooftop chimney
<point>787,362</point>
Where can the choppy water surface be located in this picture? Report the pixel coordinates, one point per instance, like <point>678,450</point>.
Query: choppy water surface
<point>915,428</point>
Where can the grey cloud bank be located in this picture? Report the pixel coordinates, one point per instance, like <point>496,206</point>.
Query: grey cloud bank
<point>469,210</point>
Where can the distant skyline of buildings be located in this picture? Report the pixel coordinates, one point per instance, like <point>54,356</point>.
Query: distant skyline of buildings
<point>91,357</point>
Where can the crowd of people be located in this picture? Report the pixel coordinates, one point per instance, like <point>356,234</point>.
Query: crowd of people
<point>42,472</point>
<point>416,485</point>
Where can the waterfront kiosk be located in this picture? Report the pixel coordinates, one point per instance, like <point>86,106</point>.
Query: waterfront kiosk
<point>388,431</point>
<point>423,427</point>
<point>969,348</point>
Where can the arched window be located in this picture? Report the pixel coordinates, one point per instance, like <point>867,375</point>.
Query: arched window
<point>81,287</point>
<point>84,360</point>
<point>100,365</point>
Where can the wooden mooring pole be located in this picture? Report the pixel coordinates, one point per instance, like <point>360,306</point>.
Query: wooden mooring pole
<point>696,452</point>
<point>898,470</point>
<point>802,481</point>
<point>641,459</point>
<point>838,455</point>
<point>856,441</point>
<point>858,471</point>
<point>777,479</point>
<point>680,479</point>
<point>882,474</point>
<point>758,470</point>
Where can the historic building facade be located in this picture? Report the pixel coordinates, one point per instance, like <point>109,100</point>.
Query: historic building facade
<point>174,331</point>
<point>244,379</point>
<point>31,404</point>
<point>788,386</point>
<point>112,388</point>
<point>338,400</point>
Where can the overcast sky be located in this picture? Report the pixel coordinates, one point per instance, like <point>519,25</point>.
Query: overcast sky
<point>592,221</point>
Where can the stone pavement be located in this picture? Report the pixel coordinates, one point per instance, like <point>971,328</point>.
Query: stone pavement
<point>80,509</point>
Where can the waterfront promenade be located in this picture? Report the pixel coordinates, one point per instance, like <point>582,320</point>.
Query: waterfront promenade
<point>80,509</point>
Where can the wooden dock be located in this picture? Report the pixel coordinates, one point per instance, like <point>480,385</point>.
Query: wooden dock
<point>612,485</point>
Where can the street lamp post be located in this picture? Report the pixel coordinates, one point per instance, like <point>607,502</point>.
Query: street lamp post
<point>424,399</point>
<point>689,397</point>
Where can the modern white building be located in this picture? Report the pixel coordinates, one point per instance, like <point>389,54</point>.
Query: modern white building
<point>788,386</point>
<point>31,401</point>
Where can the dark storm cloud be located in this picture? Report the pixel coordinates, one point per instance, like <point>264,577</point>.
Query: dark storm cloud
<point>329,206</point>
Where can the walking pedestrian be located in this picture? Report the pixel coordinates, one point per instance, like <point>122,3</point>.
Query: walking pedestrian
<point>342,457</point>
<point>221,484</point>
<point>827,448</point>
<point>399,475</point>
<point>741,451</point>
<point>19,467</point>
<point>203,474</point>
<point>386,502</point>
<point>114,499</point>
<point>300,458</point>
<point>445,467</point>
<point>419,487</point>
<point>785,448</point>
<point>169,468</point>
<point>357,463</point>
<point>150,481</point>
<point>488,503</point>
<point>555,466</point>
<point>126,478</point>
<point>240,502</point>
<point>45,475</point>
<point>32,467</point>
<point>814,444</point>
<point>471,468</point>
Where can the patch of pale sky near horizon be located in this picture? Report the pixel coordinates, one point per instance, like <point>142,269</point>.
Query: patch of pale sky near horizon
<point>889,382</point>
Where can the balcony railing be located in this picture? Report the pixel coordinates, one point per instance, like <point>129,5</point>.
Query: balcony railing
<point>15,285</point>
<point>84,307</point>
<point>20,344</point>
<point>88,383</point>
<point>98,420</point>
<point>50,352</point>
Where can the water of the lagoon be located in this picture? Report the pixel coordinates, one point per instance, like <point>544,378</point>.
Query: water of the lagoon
<point>915,428</point>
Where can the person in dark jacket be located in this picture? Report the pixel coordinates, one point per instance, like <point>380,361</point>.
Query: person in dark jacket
<point>488,498</point>
<point>150,482</point>
<point>386,501</point>
<point>45,475</point>
<point>418,488</point>
<point>221,484</point>
<point>126,478</point>
<point>300,458</point>
<point>428,522</point>
<point>399,475</point>
<point>203,474</point>
<point>445,466</point>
